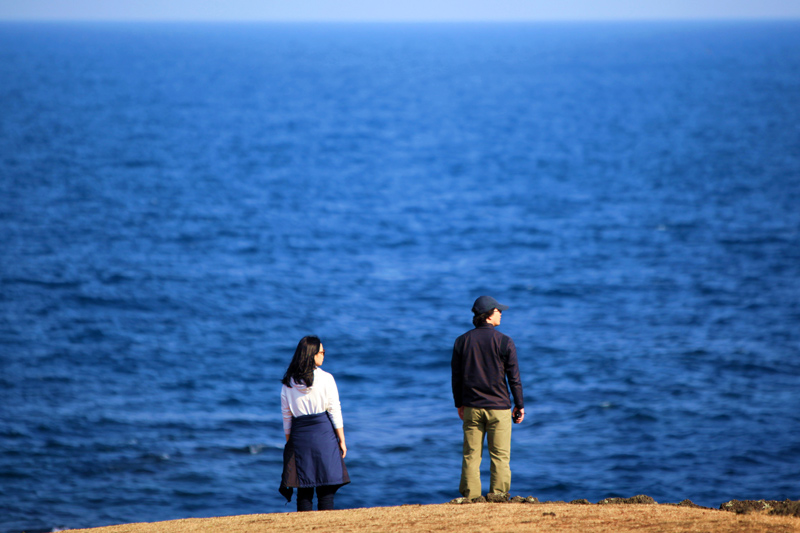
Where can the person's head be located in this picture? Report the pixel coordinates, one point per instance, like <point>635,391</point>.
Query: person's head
<point>308,355</point>
<point>487,310</point>
<point>492,317</point>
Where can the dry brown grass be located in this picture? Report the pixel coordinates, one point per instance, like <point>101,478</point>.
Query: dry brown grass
<point>494,518</point>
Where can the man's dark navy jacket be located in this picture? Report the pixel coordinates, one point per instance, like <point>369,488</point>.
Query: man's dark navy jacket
<point>483,358</point>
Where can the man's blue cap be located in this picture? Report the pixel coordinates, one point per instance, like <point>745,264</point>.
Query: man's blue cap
<point>484,304</point>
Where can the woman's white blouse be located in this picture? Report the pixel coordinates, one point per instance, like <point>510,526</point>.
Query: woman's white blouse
<point>299,400</point>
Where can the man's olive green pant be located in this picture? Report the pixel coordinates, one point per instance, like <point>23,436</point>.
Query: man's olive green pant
<point>496,425</point>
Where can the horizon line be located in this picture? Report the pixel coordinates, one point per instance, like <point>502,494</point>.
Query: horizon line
<point>254,20</point>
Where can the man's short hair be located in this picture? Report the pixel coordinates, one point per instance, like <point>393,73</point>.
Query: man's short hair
<point>480,319</point>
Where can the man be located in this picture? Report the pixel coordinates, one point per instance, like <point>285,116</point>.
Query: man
<point>483,359</point>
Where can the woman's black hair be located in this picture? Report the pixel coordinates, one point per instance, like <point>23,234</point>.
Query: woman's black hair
<point>480,319</point>
<point>301,369</point>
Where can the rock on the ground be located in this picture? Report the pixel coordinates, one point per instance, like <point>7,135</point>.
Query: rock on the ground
<point>772,507</point>
<point>641,498</point>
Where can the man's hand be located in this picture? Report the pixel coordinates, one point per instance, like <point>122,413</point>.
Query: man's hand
<point>519,415</point>
<point>461,412</point>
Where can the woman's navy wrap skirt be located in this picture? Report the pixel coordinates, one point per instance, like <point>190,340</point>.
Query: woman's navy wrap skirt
<point>312,457</point>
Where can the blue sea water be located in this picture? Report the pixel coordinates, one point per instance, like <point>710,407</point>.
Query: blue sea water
<point>179,204</point>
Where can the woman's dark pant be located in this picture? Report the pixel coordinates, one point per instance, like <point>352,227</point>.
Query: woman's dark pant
<point>325,495</point>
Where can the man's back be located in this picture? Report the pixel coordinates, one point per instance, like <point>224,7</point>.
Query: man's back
<point>483,358</point>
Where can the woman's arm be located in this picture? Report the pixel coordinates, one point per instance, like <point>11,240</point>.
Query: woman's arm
<point>286,412</point>
<point>340,436</point>
<point>335,410</point>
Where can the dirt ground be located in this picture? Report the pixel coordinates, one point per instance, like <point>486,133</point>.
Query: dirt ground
<point>490,517</point>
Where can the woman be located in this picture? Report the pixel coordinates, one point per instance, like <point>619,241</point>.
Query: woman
<point>312,421</point>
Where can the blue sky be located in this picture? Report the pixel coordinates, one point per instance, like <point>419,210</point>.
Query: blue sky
<point>387,10</point>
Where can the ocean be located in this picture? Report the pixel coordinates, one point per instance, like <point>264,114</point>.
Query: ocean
<point>181,203</point>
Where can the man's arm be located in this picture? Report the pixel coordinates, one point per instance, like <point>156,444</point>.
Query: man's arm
<point>457,379</point>
<point>512,375</point>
